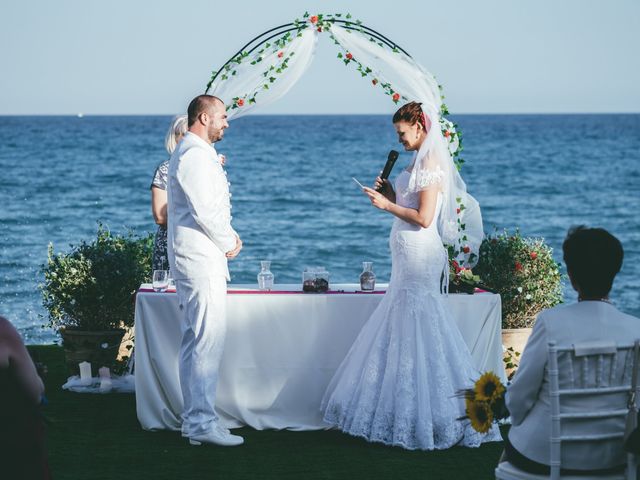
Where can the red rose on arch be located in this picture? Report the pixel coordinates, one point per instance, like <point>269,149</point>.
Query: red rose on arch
<point>320,29</point>
<point>447,133</point>
<point>518,267</point>
<point>280,54</point>
<point>533,255</point>
<point>240,102</point>
<point>395,97</point>
<point>313,19</point>
<point>374,81</point>
<point>466,249</point>
<point>349,56</point>
<point>457,210</point>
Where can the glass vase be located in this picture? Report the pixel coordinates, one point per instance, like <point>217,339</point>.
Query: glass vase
<point>367,277</point>
<point>265,277</point>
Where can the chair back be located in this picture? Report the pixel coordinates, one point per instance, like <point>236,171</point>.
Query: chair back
<point>591,393</point>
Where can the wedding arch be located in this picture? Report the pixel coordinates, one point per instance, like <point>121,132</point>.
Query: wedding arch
<point>268,66</point>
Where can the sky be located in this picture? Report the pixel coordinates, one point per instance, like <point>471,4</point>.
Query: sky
<point>152,56</point>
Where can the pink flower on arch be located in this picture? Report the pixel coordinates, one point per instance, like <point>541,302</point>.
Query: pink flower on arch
<point>240,102</point>
<point>395,97</point>
<point>313,19</point>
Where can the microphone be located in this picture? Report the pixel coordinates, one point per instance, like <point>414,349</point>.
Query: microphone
<point>386,171</point>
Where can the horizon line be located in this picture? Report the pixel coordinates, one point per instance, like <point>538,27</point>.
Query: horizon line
<point>82,114</point>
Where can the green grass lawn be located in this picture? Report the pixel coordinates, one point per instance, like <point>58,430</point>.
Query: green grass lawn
<point>99,437</point>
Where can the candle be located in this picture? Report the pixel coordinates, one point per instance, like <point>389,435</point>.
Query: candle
<point>105,379</point>
<point>85,373</point>
<point>105,385</point>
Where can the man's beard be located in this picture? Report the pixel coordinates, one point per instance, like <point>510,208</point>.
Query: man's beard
<point>215,134</point>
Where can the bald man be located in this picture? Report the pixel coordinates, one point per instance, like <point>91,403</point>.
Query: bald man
<point>200,240</point>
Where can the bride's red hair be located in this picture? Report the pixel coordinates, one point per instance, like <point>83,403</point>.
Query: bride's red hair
<point>412,113</point>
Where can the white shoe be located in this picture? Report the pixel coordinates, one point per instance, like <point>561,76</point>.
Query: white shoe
<point>218,436</point>
<point>186,435</point>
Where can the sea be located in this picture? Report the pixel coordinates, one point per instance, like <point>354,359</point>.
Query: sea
<point>294,202</point>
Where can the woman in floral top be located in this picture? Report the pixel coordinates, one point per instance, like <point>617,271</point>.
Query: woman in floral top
<point>160,260</point>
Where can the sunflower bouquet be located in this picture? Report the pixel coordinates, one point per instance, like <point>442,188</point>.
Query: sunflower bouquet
<point>484,403</point>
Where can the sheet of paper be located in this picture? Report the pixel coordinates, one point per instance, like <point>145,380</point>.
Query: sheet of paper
<point>359,184</point>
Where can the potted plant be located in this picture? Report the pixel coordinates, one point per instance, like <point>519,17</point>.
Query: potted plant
<point>87,293</point>
<point>522,270</point>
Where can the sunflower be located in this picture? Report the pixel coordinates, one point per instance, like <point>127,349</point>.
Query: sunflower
<point>480,415</point>
<point>468,404</point>
<point>488,388</point>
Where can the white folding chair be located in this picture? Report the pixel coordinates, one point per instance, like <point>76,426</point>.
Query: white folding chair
<point>589,370</point>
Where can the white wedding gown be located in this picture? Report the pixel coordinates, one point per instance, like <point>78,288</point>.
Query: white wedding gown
<point>397,383</point>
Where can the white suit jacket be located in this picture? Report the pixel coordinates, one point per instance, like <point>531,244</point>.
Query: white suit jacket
<point>199,211</point>
<point>528,396</point>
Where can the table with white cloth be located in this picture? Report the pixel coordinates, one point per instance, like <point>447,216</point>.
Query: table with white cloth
<point>282,349</point>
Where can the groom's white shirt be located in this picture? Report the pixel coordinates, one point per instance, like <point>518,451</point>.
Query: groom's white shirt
<point>199,211</point>
<point>528,396</point>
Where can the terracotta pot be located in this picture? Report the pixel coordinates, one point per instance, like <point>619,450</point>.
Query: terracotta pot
<point>98,348</point>
<point>127,342</point>
<point>515,338</point>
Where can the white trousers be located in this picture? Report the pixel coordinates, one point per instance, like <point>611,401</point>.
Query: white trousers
<point>203,302</point>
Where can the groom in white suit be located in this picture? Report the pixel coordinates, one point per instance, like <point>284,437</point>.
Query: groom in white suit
<point>200,240</point>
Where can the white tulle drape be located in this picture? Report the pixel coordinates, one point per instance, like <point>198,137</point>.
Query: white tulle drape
<point>414,83</point>
<point>405,75</point>
<point>250,79</point>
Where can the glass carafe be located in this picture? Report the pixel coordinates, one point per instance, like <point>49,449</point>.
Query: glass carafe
<point>265,277</point>
<point>367,277</point>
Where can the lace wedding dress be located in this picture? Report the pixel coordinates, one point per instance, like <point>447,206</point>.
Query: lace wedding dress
<point>397,383</point>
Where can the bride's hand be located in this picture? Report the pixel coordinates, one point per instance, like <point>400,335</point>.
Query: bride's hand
<point>385,188</point>
<point>377,199</point>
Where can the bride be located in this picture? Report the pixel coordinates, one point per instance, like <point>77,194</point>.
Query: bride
<point>398,382</point>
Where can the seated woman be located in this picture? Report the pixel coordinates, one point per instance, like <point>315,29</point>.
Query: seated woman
<point>593,258</point>
<point>22,449</point>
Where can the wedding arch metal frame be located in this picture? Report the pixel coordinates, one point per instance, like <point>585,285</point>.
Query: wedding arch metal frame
<point>261,39</point>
